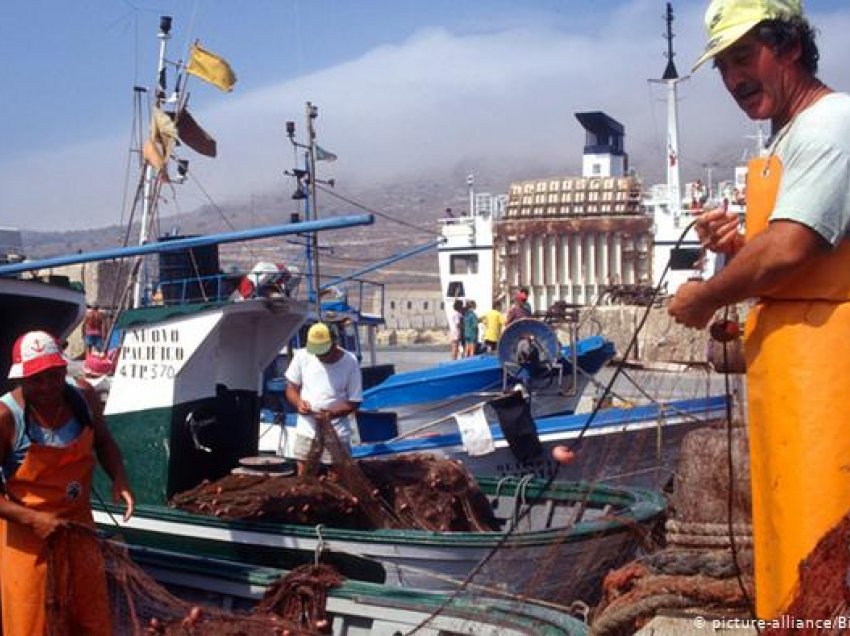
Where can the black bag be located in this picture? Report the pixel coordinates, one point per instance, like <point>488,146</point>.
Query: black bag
<point>519,428</point>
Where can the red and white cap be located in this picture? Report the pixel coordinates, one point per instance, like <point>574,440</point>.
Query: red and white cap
<point>34,352</point>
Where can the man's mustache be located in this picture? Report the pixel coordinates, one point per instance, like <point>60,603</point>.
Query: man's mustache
<point>745,89</point>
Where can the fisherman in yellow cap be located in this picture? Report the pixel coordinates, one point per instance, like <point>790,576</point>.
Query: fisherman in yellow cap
<point>323,381</point>
<point>795,259</point>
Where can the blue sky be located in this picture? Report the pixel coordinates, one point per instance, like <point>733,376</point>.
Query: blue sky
<point>404,87</point>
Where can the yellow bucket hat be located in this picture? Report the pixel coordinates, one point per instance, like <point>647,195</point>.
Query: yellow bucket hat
<point>727,21</point>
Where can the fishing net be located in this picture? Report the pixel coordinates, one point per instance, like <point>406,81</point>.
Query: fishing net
<point>429,493</point>
<point>706,564</point>
<point>823,591</point>
<point>409,492</point>
<point>294,605</point>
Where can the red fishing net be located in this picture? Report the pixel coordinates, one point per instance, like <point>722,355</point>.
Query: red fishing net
<point>138,605</point>
<point>409,492</point>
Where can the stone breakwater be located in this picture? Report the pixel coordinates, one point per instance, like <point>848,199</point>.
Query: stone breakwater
<point>661,339</point>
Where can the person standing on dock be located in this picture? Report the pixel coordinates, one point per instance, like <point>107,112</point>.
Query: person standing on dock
<point>94,329</point>
<point>456,329</point>
<point>494,323</point>
<point>795,259</point>
<point>51,431</point>
<point>470,330</point>
<point>322,381</point>
<point>521,307</point>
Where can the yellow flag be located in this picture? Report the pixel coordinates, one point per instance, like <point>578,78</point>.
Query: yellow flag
<point>210,68</point>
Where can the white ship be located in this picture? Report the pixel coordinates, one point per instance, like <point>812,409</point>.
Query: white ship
<point>568,239</point>
<point>581,240</point>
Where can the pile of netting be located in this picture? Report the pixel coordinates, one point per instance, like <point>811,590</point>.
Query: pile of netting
<point>702,568</point>
<point>294,605</point>
<point>671,579</point>
<point>823,591</point>
<point>409,492</point>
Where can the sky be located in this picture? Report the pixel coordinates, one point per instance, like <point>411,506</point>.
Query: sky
<point>404,88</point>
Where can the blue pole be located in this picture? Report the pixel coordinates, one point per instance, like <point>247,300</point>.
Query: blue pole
<point>189,243</point>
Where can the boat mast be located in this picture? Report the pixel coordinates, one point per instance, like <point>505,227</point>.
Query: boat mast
<point>470,184</point>
<point>671,80</point>
<point>150,174</point>
<point>312,112</point>
<point>307,177</point>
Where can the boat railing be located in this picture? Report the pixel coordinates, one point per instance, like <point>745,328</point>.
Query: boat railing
<point>457,226</point>
<point>215,288</point>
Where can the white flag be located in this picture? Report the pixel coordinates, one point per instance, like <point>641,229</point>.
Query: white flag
<point>324,155</point>
<point>475,432</point>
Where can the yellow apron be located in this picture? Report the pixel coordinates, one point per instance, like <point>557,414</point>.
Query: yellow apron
<point>797,346</point>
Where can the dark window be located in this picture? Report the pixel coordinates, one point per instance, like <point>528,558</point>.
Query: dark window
<point>455,290</point>
<point>409,305</point>
<point>392,304</point>
<point>463,264</point>
<point>425,305</point>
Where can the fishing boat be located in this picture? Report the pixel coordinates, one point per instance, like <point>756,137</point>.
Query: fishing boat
<point>569,535</point>
<point>356,607</point>
<point>50,302</point>
<point>428,399</point>
<point>463,381</point>
<point>184,407</point>
<point>635,446</point>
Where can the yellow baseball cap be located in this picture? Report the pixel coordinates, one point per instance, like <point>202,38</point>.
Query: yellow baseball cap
<point>727,21</point>
<point>319,339</point>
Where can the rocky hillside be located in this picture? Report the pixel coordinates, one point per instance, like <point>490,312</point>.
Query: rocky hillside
<point>405,217</point>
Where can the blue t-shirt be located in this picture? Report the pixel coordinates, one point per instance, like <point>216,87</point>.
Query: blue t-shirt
<point>470,326</point>
<point>31,432</point>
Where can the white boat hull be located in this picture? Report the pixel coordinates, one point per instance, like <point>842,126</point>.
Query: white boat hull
<point>550,556</point>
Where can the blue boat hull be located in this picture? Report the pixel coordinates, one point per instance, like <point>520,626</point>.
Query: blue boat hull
<point>478,374</point>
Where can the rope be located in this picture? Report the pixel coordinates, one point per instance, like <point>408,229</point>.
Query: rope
<point>444,418</point>
<point>383,215</point>
<point>633,341</point>
<point>553,476</point>
<point>730,483</point>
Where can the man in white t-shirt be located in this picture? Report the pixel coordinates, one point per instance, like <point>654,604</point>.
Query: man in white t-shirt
<point>323,381</point>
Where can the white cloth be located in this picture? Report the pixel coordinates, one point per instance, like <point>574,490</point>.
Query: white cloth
<point>325,385</point>
<point>454,326</point>
<point>475,432</point>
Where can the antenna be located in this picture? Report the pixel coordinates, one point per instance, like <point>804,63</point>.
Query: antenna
<point>306,191</point>
<point>670,72</point>
<point>671,79</point>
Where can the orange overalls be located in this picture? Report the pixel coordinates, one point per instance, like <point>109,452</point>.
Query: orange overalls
<point>797,347</point>
<point>55,480</point>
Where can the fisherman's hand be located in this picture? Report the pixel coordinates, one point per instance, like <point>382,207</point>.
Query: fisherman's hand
<point>304,407</point>
<point>717,230</point>
<point>690,307</point>
<point>121,492</point>
<point>45,524</point>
